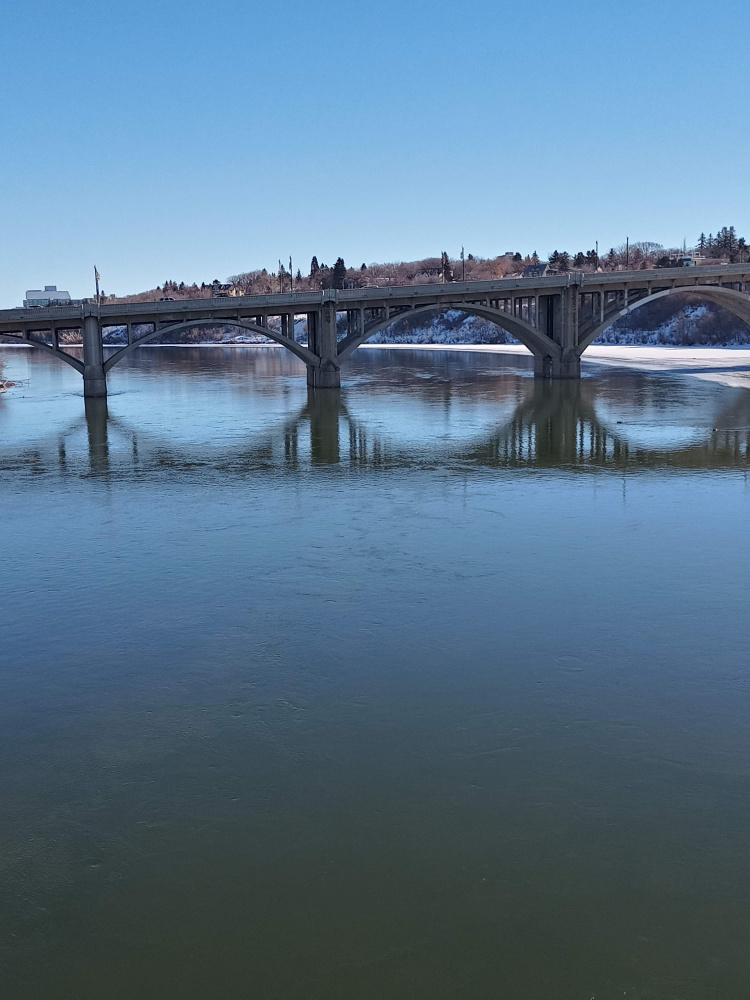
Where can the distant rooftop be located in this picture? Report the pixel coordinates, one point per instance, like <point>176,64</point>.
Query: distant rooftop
<point>45,296</point>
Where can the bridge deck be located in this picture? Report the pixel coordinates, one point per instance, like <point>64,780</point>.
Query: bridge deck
<point>408,296</point>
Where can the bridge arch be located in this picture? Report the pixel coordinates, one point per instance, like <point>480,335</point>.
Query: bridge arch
<point>297,349</point>
<point>539,344</point>
<point>41,346</point>
<point>732,300</point>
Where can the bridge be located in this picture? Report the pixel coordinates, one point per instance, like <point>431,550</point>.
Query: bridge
<point>555,317</point>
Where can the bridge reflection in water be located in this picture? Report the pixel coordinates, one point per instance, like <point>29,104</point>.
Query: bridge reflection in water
<point>547,425</point>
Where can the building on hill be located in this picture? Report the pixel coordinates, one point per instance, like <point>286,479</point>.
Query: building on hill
<point>537,270</point>
<point>48,296</point>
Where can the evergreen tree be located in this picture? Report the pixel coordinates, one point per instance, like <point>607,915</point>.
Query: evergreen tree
<point>339,273</point>
<point>298,275</point>
<point>446,267</point>
<point>563,262</point>
<point>364,267</point>
<point>535,258</point>
<point>314,267</point>
<point>580,259</point>
<point>554,259</point>
<point>701,245</point>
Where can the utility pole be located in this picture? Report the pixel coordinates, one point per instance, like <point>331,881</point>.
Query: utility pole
<point>463,265</point>
<point>627,252</point>
<point>96,279</point>
<point>291,275</point>
<point>281,280</point>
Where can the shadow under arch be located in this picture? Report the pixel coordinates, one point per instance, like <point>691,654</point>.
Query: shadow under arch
<point>729,298</point>
<point>41,346</point>
<point>292,346</point>
<point>539,344</point>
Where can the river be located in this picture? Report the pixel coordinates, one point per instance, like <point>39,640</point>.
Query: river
<point>434,688</point>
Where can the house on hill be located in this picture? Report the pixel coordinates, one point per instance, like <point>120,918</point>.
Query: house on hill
<point>537,271</point>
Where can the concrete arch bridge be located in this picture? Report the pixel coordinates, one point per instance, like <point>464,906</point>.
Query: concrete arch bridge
<point>555,317</point>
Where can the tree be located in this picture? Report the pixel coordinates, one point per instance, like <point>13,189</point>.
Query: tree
<point>364,267</point>
<point>535,258</point>
<point>298,275</point>
<point>701,245</point>
<point>563,262</point>
<point>314,267</point>
<point>339,273</point>
<point>580,259</point>
<point>554,259</point>
<point>446,267</point>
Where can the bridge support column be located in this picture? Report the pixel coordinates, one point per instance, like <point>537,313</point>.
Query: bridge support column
<point>324,343</point>
<point>558,320</point>
<point>94,379</point>
<point>568,366</point>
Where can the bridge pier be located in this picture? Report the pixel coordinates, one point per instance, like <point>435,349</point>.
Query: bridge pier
<point>558,319</point>
<point>322,340</point>
<point>94,379</point>
<point>568,366</point>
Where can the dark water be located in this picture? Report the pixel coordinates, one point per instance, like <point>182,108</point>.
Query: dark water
<point>435,688</point>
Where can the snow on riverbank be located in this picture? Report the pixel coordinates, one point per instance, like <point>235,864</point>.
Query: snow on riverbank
<point>728,365</point>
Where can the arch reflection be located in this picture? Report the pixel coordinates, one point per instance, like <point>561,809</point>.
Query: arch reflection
<point>559,424</point>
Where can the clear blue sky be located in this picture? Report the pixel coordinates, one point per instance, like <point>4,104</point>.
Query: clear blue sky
<point>190,140</point>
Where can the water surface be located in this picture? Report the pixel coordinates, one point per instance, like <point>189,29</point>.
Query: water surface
<point>436,687</point>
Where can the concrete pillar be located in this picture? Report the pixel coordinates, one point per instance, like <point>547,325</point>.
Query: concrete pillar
<point>568,366</point>
<point>558,320</point>
<point>326,374</point>
<point>94,379</point>
<point>312,339</point>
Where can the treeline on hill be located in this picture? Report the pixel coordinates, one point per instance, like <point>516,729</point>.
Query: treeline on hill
<point>725,246</point>
<point>692,323</point>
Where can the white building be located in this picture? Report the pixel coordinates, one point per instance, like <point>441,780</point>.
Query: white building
<point>45,297</point>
